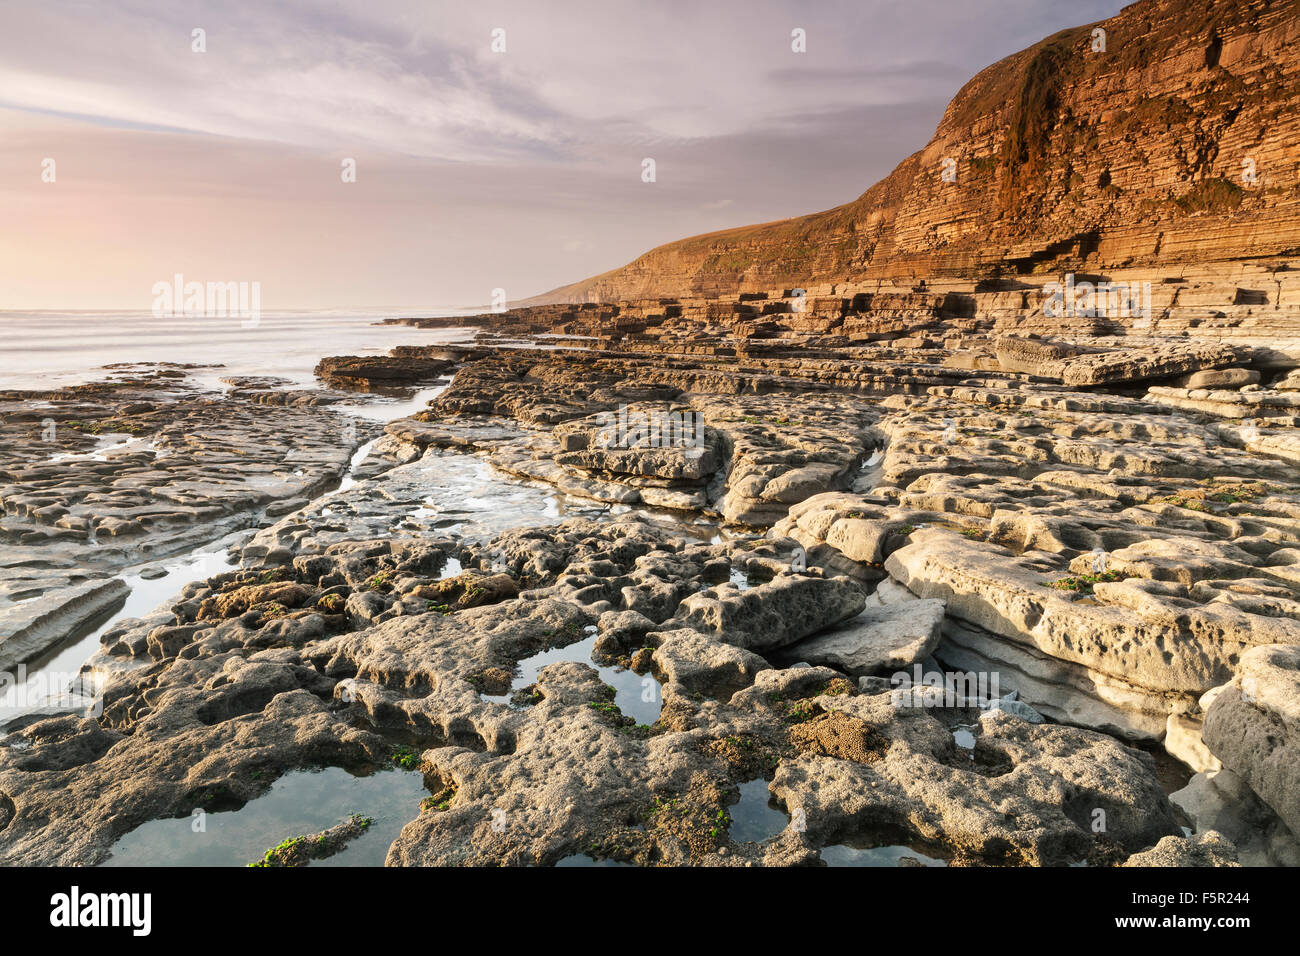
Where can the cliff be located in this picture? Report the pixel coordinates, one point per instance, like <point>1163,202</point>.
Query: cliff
<point>1066,158</point>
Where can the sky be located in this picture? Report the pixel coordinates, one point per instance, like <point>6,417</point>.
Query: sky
<point>476,168</point>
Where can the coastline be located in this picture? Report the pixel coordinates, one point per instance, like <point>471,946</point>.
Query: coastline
<point>496,577</point>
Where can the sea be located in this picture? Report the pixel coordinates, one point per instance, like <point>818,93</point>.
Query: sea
<point>45,349</point>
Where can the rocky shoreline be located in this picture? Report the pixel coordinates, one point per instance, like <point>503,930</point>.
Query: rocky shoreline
<point>679,594</point>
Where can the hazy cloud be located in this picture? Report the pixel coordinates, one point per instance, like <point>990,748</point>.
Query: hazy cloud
<point>475,169</point>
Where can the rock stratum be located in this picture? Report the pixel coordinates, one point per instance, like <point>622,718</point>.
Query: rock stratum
<point>686,608</point>
<point>1066,158</point>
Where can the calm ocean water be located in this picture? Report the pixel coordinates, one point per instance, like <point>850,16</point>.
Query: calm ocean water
<point>43,349</point>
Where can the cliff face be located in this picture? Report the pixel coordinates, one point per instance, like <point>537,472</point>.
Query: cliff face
<point>1177,144</point>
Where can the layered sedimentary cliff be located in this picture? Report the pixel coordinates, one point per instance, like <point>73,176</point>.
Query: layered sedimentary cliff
<point>1162,137</point>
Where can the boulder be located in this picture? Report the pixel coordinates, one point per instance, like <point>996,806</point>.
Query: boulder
<point>880,640</point>
<point>1253,726</point>
<point>1207,849</point>
<point>1220,800</point>
<point>1183,742</point>
<point>701,666</point>
<point>773,614</point>
<point>1219,378</point>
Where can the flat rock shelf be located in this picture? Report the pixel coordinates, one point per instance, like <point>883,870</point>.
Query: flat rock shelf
<point>580,606</point>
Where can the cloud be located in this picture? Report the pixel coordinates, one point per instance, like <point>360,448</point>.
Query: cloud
<point>476,169</point>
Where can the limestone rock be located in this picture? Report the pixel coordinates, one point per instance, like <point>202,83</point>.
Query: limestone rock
<point>1253,727</point>
<point>1219,378</point>
<point>1220,800</point>
<point>1183,741</point>
<point>879,640</point>
<point>1207,849</point>
<point>703,666</point>
<point>772,615</point>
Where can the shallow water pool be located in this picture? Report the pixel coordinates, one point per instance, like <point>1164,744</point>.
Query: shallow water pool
<point>300,803</point>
